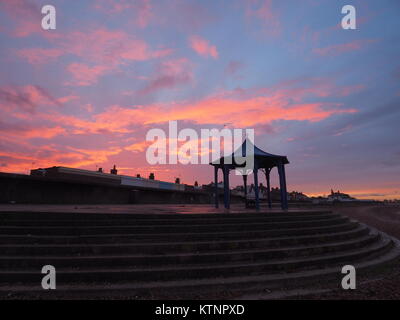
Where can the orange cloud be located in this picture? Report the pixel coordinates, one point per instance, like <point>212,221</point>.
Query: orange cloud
<point>33,132</point>
<point>246,109</point>
<point>241,108</point>
<point>46,156</point>
<point>246,113</point>
<point>203,47</point>
<point>381,193</point>
<point>138,146</point>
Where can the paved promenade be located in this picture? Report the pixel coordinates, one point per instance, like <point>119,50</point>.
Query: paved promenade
<point>134,208</point>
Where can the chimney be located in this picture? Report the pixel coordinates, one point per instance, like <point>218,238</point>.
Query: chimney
<point>114,170</point>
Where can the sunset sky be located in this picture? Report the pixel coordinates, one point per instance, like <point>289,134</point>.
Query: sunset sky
<point>85,95</point>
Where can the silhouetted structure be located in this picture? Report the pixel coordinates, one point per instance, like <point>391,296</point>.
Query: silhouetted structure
<point>64,185</point>
<point>114,170</point>
<point>262,160</point>
<point>339,196</point>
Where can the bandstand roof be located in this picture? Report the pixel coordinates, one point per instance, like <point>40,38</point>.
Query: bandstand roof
<point>261,158</point>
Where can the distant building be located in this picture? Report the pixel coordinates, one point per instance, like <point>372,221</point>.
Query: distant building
<point>113,170</point>
<point>339,196</point>
<point>334,197</point>
<point>298,196</point>
<point>275,193</point>
<point>212,185</point>
<point>88,176</point>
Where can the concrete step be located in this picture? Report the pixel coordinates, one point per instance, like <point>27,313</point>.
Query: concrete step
<point>267,284</point>
<point>85,261</point>
<point>200,271</point>
<point>173,237</point>
<point>175,229</point>
<point>8,222</point>
<point>132,246</point>
<point>16,215</point>
<point>121,254</point>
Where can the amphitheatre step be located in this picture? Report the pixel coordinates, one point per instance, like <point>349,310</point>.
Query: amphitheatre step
<point>85,261</point>
<point>124,254</point>
<point>108,275</point>
<point>155,222</point>
<point>182,247</point>
<point>194,288</point>
<point>148,216</point>
<point>77,230</point>
<point>173,237</point>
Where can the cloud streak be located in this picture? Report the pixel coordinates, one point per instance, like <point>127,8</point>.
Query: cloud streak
<point>202,47</point>
<point>337,49</point>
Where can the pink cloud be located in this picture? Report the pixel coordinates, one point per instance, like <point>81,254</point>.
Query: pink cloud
<point>337,49</point>
<point>27,98</point>
<point>245,107</point>
<point>203,47</point>
<point>186,16</point>
<point>107,46</point>
<point>26,16</point>
<point>261,12</point>
<point>27,132</point>
<point>67,99</point>
<point>241,109</point>
<point>346,91</point>
<point>116,130</point>
<point>169,74</point>
<point>100,50</point>
<point>26,28</point>
<point>39,55</point>
<point>141,10</point>
<point>96,46</point>
<point>85,75</point>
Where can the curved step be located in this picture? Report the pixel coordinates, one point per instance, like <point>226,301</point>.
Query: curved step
<point>168,247</point>
<point>194,288</point>
<point>121,254</point>
<point>201,271</point>
<point>85,261</point>
<point>146,216</point>
<point>193,236</point>
<point>158,222</point>
<point>78,230</point>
